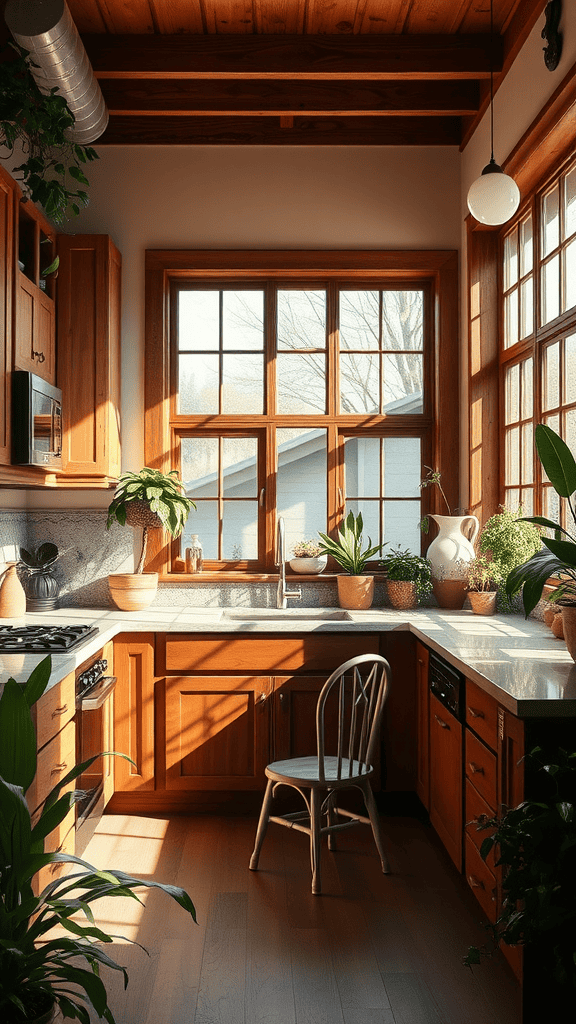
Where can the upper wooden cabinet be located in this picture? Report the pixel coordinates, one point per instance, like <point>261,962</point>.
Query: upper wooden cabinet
<point>34,307</point>
<point>88,341</point>
<point>6,278</point>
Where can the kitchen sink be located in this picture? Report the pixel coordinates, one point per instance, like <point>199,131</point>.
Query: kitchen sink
<point>286,614</point>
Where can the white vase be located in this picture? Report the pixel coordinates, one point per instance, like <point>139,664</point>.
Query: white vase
<point>449,555</point>
<point>312,566</point>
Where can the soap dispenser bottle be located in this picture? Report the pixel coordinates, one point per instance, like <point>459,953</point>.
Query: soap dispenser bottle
<point>194,555</point>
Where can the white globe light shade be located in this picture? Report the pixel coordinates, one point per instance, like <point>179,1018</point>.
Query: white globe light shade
<point>494,197</point>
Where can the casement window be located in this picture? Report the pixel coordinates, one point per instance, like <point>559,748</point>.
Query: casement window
<point>277,388</point>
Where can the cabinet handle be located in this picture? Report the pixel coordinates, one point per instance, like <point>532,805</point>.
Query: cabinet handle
<point>440,721</point>
<point>262,698</point>
<point>262,497</point>
<point>59,768</point>
<point>475,714</point>
<point>476,769</point>
<point>474,883</point>
<point>60,711</point>
<point>282,697</point>
<point>38,356</point>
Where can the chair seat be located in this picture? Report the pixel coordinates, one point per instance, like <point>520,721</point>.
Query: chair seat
<point>305,770</point>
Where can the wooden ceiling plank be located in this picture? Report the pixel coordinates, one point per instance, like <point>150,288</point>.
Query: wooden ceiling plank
<point>87,15</point>
<point>331,17</point>
<point>185,98</point>
<point>130,16</point>
<point>306,131</point>
<point>291,57</point>
<point>230,17</point>
<point>279,16</point>
<point>173,16</point>
<point>385,17</point>
<point>435,15</point>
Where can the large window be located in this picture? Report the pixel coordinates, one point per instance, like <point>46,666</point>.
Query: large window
<point>304,396</point>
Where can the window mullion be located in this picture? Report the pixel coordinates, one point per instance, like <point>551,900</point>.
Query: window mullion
<point>332,349</point>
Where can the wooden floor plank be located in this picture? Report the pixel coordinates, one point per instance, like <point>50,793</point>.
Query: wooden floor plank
<point>358,977</point>
<point>222,977</point>
<point>315,990</point>
<point>410,1000</point>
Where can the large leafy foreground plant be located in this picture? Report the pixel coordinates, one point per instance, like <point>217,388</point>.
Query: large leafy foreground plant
<point>37,966</point>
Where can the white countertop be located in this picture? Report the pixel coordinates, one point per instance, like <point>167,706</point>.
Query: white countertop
<point>518,661</point>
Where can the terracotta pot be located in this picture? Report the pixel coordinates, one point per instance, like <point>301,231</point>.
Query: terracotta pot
<point>402,594</point>
<point>355,592</point>
<point>549,614</point>
<point>569,623</point>
<point>312,566</point>
<point>132,592</point>
<point>557,625</point>
<point>450,594</point>
<point>12,596</point>
<point>483,602</point>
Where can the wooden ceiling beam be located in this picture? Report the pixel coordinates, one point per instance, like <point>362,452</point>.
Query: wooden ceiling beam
<point>267,131</point>
<point>372,57</point>
<point>153,98</point>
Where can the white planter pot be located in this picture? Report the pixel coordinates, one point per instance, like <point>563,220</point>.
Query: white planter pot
<point>312,566</point>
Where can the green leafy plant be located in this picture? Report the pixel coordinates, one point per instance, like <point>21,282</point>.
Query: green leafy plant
<point>535,844</point>
<point>37,966</point>
<point>44,556</point>
<point>484,575</point>
<point>433,478</point>
<point>508,540</point>
<point>346,549</point>
<point>410,568</point>
<point>557,557</point>
<point>53,166</point>
<point>150,499</point>
<point>306,549</point>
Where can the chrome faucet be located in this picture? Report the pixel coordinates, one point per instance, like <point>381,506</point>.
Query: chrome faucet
<point>282,594</point>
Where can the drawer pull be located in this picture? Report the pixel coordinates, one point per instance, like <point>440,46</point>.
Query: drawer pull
<point>476,769</point>
<point>60,711</point>
<point>475,714</point>
<point>474,882</point>
<point>59,768</point>
<point>282,697</point>
<point>441,722</point>
<point>262,698</point>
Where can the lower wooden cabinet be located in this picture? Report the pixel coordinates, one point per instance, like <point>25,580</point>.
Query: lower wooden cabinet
<point>446,778</point>
<point>423,725</point>
<point>134,711</point>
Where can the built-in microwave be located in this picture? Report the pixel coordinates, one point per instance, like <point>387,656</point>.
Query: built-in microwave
<point>36,421</point>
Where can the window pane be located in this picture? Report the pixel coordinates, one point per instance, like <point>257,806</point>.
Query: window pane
<point>570,203</point>
<point>550,504</point>
<point>570,429</point>
<point>302,483</point>
<point>402,315</point>
<point>526,247</point>
<point>301,319</point>
<point>527,389</point>
<point>204,522</point>
<point>512,394</point>
<point>512,470</point>
<point>359,320</point>
<point>402,467</point>
<point>370,520</point>
<point>570,276</point>
<point>550,290</point>
<point>362,467</point>
<point>570,369</point>
<point>198,320</point>
<point>402,525</point>
<point>527,307</point>
<point>301,382</point>
<point>511,319</point>
<point>527,454</point>
<point>527,501</point>
<point>551,381</point>
<point>550,221</point>
<point>359,383</point>
<point>243,320</point>
<point>512,499</point>
<point>197,384</point>
<point>243,384</point>
<point>402,383</point>
<point>511,259</point>
<point>199,460</point>
<point>240,530</point>
<point>239,467</point>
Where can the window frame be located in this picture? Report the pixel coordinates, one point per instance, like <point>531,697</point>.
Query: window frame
<point>433,270</point>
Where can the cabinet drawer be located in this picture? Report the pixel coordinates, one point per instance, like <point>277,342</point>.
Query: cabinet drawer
<point>481,768</point>
<point>182,653</point>
<point>61,840</point>
<point>482,714</point>
<point>55,709</point>
<point>475,806</point>
<point>55,760</point>
<point>481,880</point>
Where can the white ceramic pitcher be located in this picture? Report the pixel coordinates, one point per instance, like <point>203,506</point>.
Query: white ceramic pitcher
<point>453,548</point>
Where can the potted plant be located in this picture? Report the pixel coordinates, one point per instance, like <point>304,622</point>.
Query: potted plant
<point>41,970</point>
<point>308,557</point>
<point>508,540</point>
<point>40,586</point>
<point>484,577</point>
<point>355,590</point>
<point>557,557</point>
<point>37,123</point>
<point>451,551</point>
<point>408,578</point>
<point>148,500</point>
<point>535,844</point>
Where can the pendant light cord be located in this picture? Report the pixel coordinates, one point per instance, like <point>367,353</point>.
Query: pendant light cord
<point>492,80</point>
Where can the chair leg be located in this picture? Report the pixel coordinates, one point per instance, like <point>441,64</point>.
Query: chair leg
<point>332,818</point>
<point>262,825</point>
<point>315,839</point>
<point>375,823</point>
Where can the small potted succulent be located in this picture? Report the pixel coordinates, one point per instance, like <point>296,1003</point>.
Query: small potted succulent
<point>408,578</point>
<point>484,578</point>
<point>40,586</point>
<point>308,557</point>
<point>355,589</point>
<point>148,500</point>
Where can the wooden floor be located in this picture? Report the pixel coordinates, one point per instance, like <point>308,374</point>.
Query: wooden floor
<point>373,949</point>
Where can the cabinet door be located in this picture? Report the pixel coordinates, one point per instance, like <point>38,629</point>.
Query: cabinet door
<point>446,778</point>
<point>89,356</point>
<point>35,348</point>
<point>217,732</point>
<point>423,696</point>
<point>134,711</point>
<point>6,285</point>
<point>510,794</point>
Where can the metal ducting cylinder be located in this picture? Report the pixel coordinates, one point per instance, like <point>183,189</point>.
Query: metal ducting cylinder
<point>45,28</point>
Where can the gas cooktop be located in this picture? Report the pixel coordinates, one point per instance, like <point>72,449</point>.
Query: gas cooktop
<point>43,638</point>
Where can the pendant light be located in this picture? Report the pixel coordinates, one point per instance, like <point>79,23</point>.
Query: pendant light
<point>494,197</point>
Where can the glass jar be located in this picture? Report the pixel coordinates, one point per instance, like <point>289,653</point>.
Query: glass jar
<point>194,555</point>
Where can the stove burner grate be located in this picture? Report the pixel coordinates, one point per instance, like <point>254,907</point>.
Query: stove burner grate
<point>39,639</point>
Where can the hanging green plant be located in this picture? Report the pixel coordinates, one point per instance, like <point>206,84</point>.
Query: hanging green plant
<point>36,124</point>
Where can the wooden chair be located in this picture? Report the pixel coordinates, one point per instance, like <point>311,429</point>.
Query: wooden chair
<point>358,689</point>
